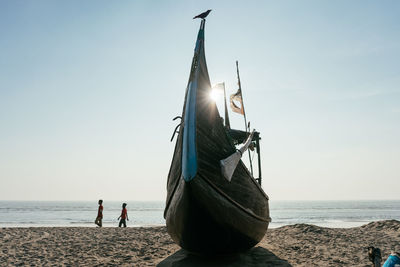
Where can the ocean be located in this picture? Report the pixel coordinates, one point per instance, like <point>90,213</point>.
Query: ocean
<point>150,213</point>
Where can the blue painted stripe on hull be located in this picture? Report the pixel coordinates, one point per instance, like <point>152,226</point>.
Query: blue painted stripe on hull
<point>189,153</point>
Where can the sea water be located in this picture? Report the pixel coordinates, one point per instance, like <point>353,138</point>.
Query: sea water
<point>83,213</point>
<point>77,213</point>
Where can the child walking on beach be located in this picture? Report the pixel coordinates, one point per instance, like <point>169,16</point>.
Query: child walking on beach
<point>123,216</point>
<point>99,217</point>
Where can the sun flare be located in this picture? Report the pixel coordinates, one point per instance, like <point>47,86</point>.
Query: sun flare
<point>214,95</point>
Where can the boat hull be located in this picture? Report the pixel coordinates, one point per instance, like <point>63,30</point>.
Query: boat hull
<point>203,220</point>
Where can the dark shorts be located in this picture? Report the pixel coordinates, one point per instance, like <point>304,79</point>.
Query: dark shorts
<point>98,221</point>
<point>122,222</point>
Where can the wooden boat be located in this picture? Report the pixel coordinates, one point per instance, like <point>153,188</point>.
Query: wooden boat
<point>205,212</point>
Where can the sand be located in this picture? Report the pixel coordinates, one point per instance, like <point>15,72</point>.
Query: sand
<point>295,245</point>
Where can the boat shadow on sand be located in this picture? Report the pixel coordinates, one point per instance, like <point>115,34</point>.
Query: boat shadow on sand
<point>257,256</point>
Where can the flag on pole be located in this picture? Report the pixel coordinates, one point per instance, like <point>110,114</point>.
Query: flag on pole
<point>234,106</point>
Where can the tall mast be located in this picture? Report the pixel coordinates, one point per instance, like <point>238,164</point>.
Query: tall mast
<point>244,112</point>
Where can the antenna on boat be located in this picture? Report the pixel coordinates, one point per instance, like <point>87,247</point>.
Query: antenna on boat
<point>227,123</point>
<point>244,113</point>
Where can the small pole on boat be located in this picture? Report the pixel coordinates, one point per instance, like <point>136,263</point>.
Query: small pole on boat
<point>244,113</point>
<point>227,123</point>
<point>259,157</point>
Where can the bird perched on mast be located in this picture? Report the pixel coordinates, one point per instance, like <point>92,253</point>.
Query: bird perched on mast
<point>203,15</point>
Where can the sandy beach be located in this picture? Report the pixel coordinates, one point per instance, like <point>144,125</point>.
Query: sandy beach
<point>294,245</point>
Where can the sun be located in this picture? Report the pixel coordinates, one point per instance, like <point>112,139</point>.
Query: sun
<point>214,95</point>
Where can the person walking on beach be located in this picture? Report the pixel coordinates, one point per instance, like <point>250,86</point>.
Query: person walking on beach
<point>99,217</point>
<point>123,216</point>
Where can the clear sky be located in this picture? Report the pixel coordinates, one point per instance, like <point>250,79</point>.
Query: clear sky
<point>88,90</point>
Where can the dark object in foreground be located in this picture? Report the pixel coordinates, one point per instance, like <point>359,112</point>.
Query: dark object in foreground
<point>374,255</point>
<point>252,258</point>
<point>205,212</point>
<point>203,15</point>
